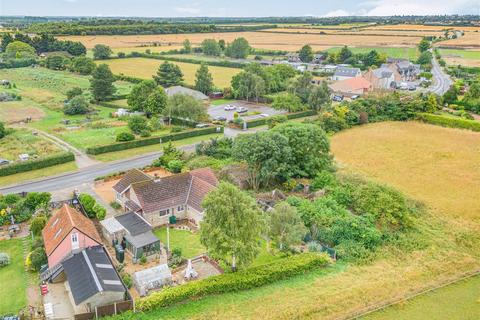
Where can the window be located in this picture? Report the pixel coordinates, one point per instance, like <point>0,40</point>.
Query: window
<point>180,208</point>
<point>164,212</point>
<point>75,244</point>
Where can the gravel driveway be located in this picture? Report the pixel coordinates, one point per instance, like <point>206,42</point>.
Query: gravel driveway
<point>215,111</point>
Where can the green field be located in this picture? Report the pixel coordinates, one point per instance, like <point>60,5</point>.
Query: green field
<point>459,301</point>
<point>146,68</point>
<point>188,241</point>
<point>13,278</point>
<point>23,141</point>
<point>465,54</point>
<point>405,53</point>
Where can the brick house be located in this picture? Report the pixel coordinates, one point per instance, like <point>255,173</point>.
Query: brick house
<point>156,200</point>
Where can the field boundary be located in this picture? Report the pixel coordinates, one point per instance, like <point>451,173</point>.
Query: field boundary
<point>384,305</point>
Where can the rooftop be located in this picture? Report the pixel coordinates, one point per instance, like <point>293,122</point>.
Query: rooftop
<point>183,90</point>
<point>347,72</point>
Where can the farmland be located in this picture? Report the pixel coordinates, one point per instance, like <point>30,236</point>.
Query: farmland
<point>461,57</point>
<point>146,68</point>
<point>23,141</point>
<point>406,53</point>
<point>357,32</point>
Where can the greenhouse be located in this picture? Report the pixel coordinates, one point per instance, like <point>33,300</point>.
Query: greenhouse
<point>152,279</point>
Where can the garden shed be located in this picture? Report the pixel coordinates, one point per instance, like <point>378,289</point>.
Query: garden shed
<point>152,279</point>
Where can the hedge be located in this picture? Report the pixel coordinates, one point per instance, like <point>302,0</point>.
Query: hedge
<point>232,282</point>
<point>296,115</point>
<point>151,140</point>
<point>449,122</point>
<point>35,164</point>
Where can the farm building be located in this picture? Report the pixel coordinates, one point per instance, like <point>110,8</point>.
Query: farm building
<point>152,279</point>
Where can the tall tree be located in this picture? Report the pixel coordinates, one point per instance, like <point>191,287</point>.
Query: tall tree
<point>239,49</point>
<point>101,83</point>
<point>424,45</point>
<point>186,107</point>
<point>20,50</point>
<point>248,85</point>
<point>101,51</point>
<point>221,44</point>
<point>344,54</point>
<point>210,47</point>
<point>232,225</point>
<point>301,86</point>
<point>83,65</point>
<point>168,74</point>
<point>187,46</point>
<point>6,39</point>
<point>287,101</point>
<point>267,155</point>
<point>319,96</point>
<point>137,99</point>
<point>286,227</point>
<point>306,54</point>
<point>204,79</point>
<point>372,58</point>
<point>156,102</point>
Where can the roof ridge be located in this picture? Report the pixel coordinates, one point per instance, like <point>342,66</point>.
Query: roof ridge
<point>189,188</point>
<point>67,208</point>
<point>92,271</point>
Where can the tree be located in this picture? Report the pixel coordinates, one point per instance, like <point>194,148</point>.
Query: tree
<point>56,62</point>
<point>306,54</point>
<point>168,74</point>
<point>267,155</point>
<point>156,102</point>
<point>186,107</point>
<point>77,105</point>
<point>239,49</point>
<point>232,225</point>
<point>424,45</point>
<point>431,104</point>
<point>309,148</point>
<point>286,227</point>
<point>187,46</point>
<point>124,136</point>
<point>6,40</point>
<point>101,83</point>
<point>101,52</point>
<point>137,99</point>
<point>137,124</point>
<point>344,54</point>
<point>301,86</point>
<point>3,131</point>
<point>204,79</point>
<point>451,95</point>
<point>425,58</point>
<point>19,50</point>
<point>38,258</point>
<point>83,65</point>
<point>210,47</point>
<point>75,91</point>
<point>221,44</point>
<point>36,200</point>
<point>37,224</point>
<point>319,96</point>
<point>287,101</point>
<point>248,85</point>
<point>473,92</point>
<point>372,58</point>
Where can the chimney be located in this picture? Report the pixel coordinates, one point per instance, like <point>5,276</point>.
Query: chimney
<point>156,178</point>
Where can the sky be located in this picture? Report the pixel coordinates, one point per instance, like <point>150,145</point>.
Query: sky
<point>236,8</point>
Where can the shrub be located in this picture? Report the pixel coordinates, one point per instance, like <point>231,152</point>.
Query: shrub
<point>38,258</point>
<point>127,280</point>
<point>37,225</point>
<point>137,124</point>
<point>115,205</point>
<point>3,131</point>
<point>145,133</point>
<point>175,129</point>
<point>100,212</point>
<point>76,91</point>
<point>36,164</point>
<point>175,166</point>
<point>125,136</point>
<point>322,180</point>
<point>143,259</point>
<point>274,120</point>
<point>233,282</point>
<point>449,122</point>
<point>4,259</point>
<point>78,105</point>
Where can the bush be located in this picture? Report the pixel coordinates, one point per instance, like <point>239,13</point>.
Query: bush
<point>449,122</point>
<point>274,120</point>
<point>137,124</point>
<point>175,166</point>
<point>37,225</point>
<point>4,259</point>
<point>78,105</point>
<point>125,136</point>
<point>151,141</point>
<point>88,203</point>
<point>127,280</point>
<point>76,91</point>
<point>115,205</point>
<point>38,258</point>
<point>175,129</point>
<point>100,212</point>
<point>3,131</point>
<point>233,282</point>
<point>36,164</point>
<point>145,133</point>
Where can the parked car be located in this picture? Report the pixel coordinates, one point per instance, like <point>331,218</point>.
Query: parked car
<point>229,107</point>
<point>242,110</point>
<point>4,162</point>
<point>412,87</point>
<point>337,98</point>
<point>202,125</point>
<point>355,97</point>
<point>220,118</point>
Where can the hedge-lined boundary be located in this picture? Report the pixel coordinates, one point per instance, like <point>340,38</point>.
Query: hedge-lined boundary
<point>112,105</point>
<point>152,140</point>
<point>40,163</point>
<point>296,115</point>
<point>220,63</point>
<point>232,282</point>
<point>449,122</point>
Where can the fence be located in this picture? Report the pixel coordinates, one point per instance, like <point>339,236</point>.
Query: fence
<point>108,310</point>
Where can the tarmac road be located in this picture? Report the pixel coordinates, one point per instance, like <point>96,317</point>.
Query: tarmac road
<point>441,80</point>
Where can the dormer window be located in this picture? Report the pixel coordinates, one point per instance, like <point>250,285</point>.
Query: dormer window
<point>75,244</point>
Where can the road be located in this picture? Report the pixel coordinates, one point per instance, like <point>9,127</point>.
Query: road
<point>441,80</point>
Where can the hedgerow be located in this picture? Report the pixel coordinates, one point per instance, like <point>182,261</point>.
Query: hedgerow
<point>296,115</point>
<point>40,163</point>
<point>449,121</point>
<point>232,282</point>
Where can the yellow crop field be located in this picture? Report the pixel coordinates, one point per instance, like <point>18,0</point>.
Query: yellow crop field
<point>264,40</point>
<point>146,68</point>
<point>360,32</point>
<point>421,27</point>
<point>470,40</point>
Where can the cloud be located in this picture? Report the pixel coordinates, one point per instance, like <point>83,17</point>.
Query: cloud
<point>71,1</point>
<point>338,13</point>
<point>416,7</point>
<point>188,11</point>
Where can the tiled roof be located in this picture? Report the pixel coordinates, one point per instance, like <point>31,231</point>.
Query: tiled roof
<point>60,225</point>
<point>184,188</point>
<point>130,177</point>
<point>351,84</point>
<point>347,72</point>
<point>183,90</point>
<point>134,224</point>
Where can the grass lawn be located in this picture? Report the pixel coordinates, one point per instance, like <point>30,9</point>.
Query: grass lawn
<point>13,278</point>
<point>23,141</point>
<point>459,301</point>
<point>146,68</point>
<point>406,53</point>
<point>218,102</point>
<point>187,241</point>
<point>35,174</point>
<point>466,54</point>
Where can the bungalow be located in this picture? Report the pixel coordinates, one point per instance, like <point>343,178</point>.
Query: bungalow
<point>68,231</point>
<point>343,73</point>
<point>351,87</point>
<point>157,200</point>
<point>134,233</point>
<point>183,90</point>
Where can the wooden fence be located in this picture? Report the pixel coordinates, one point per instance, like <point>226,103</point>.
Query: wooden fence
<point>108,310</point>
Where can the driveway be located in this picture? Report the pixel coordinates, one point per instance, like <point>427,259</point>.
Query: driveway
<point>216,111</point>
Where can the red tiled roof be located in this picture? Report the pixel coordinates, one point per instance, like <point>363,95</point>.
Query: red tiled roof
<point>351,84</point>
<point>60,225</point>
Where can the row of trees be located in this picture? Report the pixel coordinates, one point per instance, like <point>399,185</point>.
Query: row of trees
<point>238,49</point>
<point>44,43</point>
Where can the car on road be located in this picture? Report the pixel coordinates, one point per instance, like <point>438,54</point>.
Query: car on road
<point>4,162</point>
<point>337,98</point>
<point>202,125</point>
<point>264,115</point>
<point>355,97</point>
<point>242,110</point>
<point>220,118</point>
<point>229,107</point>
<point>412,87</point>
